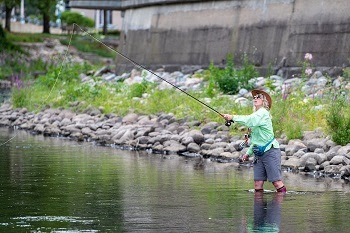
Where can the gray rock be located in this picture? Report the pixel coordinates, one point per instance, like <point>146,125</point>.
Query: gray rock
<point>292,162</point>
<point>332,169</point>
<point>210,141</point>
<point>39,128</point>
<point>332,152</point>
<point>293,146</point>
<point>324,164</point>
<point>344,150</point>
<point>312,144</point>
<point>187,140</point>
<point>340,159</point>
<point>218,145</point>
<point>319,151</point>
<point>197,136</point>
<point>217,151</point>
<point>207,128</point>
<point>130,118</point>
<point>193,147</point>
<point>205,146</point>
<point>345,170</point>
<point>299,153</point>
<point>310,164</point>
<point>143,140</point>
<point>315,156</point>
<point>173,147</point>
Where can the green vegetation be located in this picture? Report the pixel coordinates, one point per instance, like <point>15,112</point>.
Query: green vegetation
<point>69,17</point>
<point>230,80</point>
<point>338,121</point>
<point>6,44</point>
<point>84,44</point>
<point>291,115</point>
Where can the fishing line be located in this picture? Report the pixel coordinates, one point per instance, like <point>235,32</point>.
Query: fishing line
<point>58,74</point>
<point>228,123</point>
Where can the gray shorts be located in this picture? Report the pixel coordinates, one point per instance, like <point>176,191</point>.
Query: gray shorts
<point>268,166</point>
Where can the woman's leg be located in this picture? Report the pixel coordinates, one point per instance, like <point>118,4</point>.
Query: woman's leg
<point>259,185</point>
<point>279,186</point>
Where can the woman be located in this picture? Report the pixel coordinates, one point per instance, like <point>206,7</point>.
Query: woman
<point>267,155</point>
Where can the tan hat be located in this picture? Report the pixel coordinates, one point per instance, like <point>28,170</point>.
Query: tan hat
<point>267,96</point>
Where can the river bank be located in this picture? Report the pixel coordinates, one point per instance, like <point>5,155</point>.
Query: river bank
<point>163,133</point>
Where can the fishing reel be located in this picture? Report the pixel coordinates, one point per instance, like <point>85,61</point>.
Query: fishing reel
<point>229,123</point>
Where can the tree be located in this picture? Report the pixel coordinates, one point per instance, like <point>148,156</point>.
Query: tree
<point>46,8</point>
<point>9,5</point>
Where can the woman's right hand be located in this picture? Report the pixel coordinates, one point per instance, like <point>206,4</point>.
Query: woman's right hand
<point>227,117</point>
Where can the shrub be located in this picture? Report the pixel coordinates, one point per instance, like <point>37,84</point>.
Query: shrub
<point>230,79</point>
<point>339,121</point>
<point>69,18</point>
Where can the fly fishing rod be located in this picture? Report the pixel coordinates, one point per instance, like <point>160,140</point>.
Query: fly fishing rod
<point>227,123</point>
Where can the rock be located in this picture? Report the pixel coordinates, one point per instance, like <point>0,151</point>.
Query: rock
<point>173,147</point>
<point>332,152</point>
<point>197,136</point>
<point>217,151</point>
<point>193,147</point>
<point>324,164</point>
<point>218,145</point>
<point>226,154</point>
<point>345,171</point>
<point>293,146</point>
<point>143,140</point>
<point>243,102</point>
<point>312,144</point>
<point>39,128</point>
<point>310,164</point>
<point>130,118</point>
<point>340,159</point>
<point>101,71</point>
<point>299,153</point>
<point>207,128</point>
<point>309,135</point>
<point>315,156</point>
<point>292,162</point>
<point>332,169</point>
<point>187,140</point>
<point>344,150</point>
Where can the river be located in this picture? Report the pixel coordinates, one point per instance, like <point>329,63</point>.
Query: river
<point>56,185</point>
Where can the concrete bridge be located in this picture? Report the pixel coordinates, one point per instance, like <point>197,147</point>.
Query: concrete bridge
<point>189,34</point>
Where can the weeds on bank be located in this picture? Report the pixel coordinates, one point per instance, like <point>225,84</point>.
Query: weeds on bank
<point>292,114</point>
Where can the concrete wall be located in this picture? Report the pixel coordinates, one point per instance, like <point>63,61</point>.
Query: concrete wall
<point>194,34</point>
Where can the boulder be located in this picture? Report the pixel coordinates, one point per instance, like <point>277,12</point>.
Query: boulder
<point>312,144</point>
<point>292,162</point>
<point>310,164</point>
<point>197,136</point>
<point>340,159</point>
<point>172,146</point>
<point>130,118</point>
<point>193,147</point>
<point>293,146</point>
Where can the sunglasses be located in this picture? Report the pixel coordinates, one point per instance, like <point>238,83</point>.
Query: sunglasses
<point>259,96</point>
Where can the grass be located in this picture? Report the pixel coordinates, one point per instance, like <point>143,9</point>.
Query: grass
<point>84,44</point>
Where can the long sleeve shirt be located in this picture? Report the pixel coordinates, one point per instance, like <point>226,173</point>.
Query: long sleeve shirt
<point>262,130</point>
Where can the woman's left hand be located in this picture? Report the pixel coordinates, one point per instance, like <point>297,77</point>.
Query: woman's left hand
<point>227,117</point>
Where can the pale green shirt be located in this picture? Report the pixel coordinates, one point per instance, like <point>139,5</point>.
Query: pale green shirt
<point>262,130</point>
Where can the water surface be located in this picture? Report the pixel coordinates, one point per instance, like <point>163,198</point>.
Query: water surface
<point>56,185</point>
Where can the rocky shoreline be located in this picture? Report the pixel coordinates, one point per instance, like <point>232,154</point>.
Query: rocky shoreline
<point>162,133</point>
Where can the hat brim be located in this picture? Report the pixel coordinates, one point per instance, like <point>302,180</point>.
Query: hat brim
<point>267,96</point>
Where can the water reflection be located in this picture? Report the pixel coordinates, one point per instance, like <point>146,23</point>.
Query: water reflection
<point>267,213</point>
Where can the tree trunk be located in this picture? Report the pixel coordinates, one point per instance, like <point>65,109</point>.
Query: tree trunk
<point>46,23</point>
<point>8,18</point>
<point>104,22</point>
